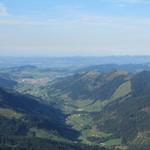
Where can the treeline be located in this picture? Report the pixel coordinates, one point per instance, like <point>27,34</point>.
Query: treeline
<point>29,143</point>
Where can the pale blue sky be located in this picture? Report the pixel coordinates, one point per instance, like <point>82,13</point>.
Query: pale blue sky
<point>74,27</point>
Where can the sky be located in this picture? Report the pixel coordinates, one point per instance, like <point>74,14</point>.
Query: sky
<point>74,27</point>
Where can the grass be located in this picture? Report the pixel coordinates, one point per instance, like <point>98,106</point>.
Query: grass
<point>9,113</point>
<point>83,123</point>
<point>40,133</point>
<point>95,133</point>
<point>87,133</point>
<point>122,91</point>
<point>82,103</point>
<point>79,121</point>
<point>44,134</point>
<point>112,142</point>
<point>97,106</point>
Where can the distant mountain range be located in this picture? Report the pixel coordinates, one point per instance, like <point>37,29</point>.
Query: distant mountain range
<point>78,61</point>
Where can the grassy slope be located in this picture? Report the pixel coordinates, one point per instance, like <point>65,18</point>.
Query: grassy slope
<point>9,113</point>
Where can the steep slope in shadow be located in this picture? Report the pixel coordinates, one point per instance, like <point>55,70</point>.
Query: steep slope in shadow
<point>35,114</point>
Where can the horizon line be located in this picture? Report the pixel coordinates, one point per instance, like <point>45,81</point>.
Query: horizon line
<point>69,56</point>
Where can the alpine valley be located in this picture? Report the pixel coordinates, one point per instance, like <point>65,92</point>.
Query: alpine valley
<point>75,103</point>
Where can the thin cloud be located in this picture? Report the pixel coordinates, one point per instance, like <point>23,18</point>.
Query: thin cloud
<point>122,22</point>
<point>3,10</point>
<point>79,21</point>
<point>122,2</point>
<point>22,22</point>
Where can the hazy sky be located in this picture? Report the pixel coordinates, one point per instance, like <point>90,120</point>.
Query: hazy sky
<point>74,27</point>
